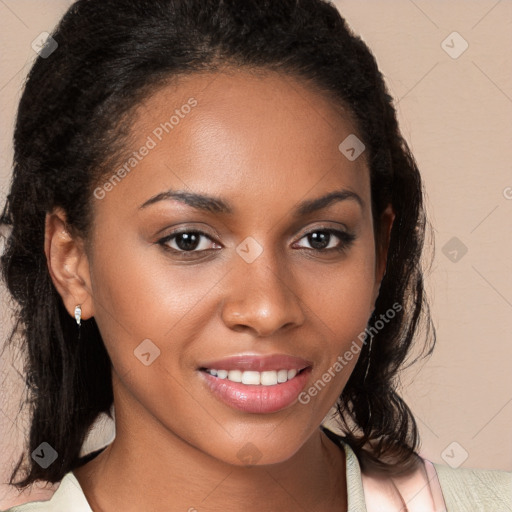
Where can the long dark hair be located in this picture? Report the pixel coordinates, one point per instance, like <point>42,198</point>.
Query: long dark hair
<point>68,133</point>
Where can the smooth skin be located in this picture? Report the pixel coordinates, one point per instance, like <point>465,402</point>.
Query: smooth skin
<point>263,143</point>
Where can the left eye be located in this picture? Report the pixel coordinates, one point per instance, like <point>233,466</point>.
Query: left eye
<point>320,239</point>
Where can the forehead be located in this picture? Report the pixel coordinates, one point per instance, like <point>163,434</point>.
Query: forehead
<point>251,104</point>
<point>245,135</point>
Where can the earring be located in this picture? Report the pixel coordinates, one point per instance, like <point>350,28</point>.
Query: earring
<point>78,314</point>
<point>78,317</point>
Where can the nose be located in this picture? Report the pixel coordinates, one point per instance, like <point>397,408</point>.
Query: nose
<point>261,297</point>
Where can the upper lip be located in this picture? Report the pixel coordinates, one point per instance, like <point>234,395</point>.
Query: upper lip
<point>251,362</point>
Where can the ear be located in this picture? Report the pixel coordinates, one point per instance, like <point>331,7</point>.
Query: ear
<point>386,223</point>
<point>68,264</point>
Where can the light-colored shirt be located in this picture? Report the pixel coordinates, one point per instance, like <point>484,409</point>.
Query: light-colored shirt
<point>432,488</point>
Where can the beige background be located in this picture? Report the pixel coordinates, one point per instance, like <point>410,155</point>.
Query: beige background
<point>456,113</point>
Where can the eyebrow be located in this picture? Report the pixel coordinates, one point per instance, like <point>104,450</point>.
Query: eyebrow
<point>221,206</point>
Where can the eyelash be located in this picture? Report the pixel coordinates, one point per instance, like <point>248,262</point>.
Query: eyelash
<point>346,240</point>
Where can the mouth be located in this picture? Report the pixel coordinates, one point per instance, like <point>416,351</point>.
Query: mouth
<point>256,384</point>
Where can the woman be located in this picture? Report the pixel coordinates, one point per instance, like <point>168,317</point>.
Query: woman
<point>217,228</point>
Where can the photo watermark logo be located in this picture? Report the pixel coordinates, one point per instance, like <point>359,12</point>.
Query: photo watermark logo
<point>137,156</point>
<point>342,360</point>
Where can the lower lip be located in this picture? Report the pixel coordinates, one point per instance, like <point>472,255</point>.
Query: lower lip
<point>257,399</point>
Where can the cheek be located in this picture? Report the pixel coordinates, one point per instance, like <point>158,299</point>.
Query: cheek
<point>132,282</point>
<point>342,303</point>
<point>342,295</point>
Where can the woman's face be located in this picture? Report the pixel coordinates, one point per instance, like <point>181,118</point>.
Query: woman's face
<point>263,278</point>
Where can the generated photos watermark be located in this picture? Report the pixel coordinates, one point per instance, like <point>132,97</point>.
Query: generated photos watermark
<point>343,360</point>
<point>152,141</point>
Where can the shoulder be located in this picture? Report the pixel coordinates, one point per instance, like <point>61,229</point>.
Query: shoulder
<point>68,496</point>
<point>475,490</point>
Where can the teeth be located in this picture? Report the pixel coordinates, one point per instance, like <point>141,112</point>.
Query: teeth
<point>291,374</point>
<point>267,378</point>
<point>235,375</point>
<point>282,376</point>
<point>251,378</point>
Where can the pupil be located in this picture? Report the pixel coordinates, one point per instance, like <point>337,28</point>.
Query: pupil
<point>319,239</point>
<point>187,241</point>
